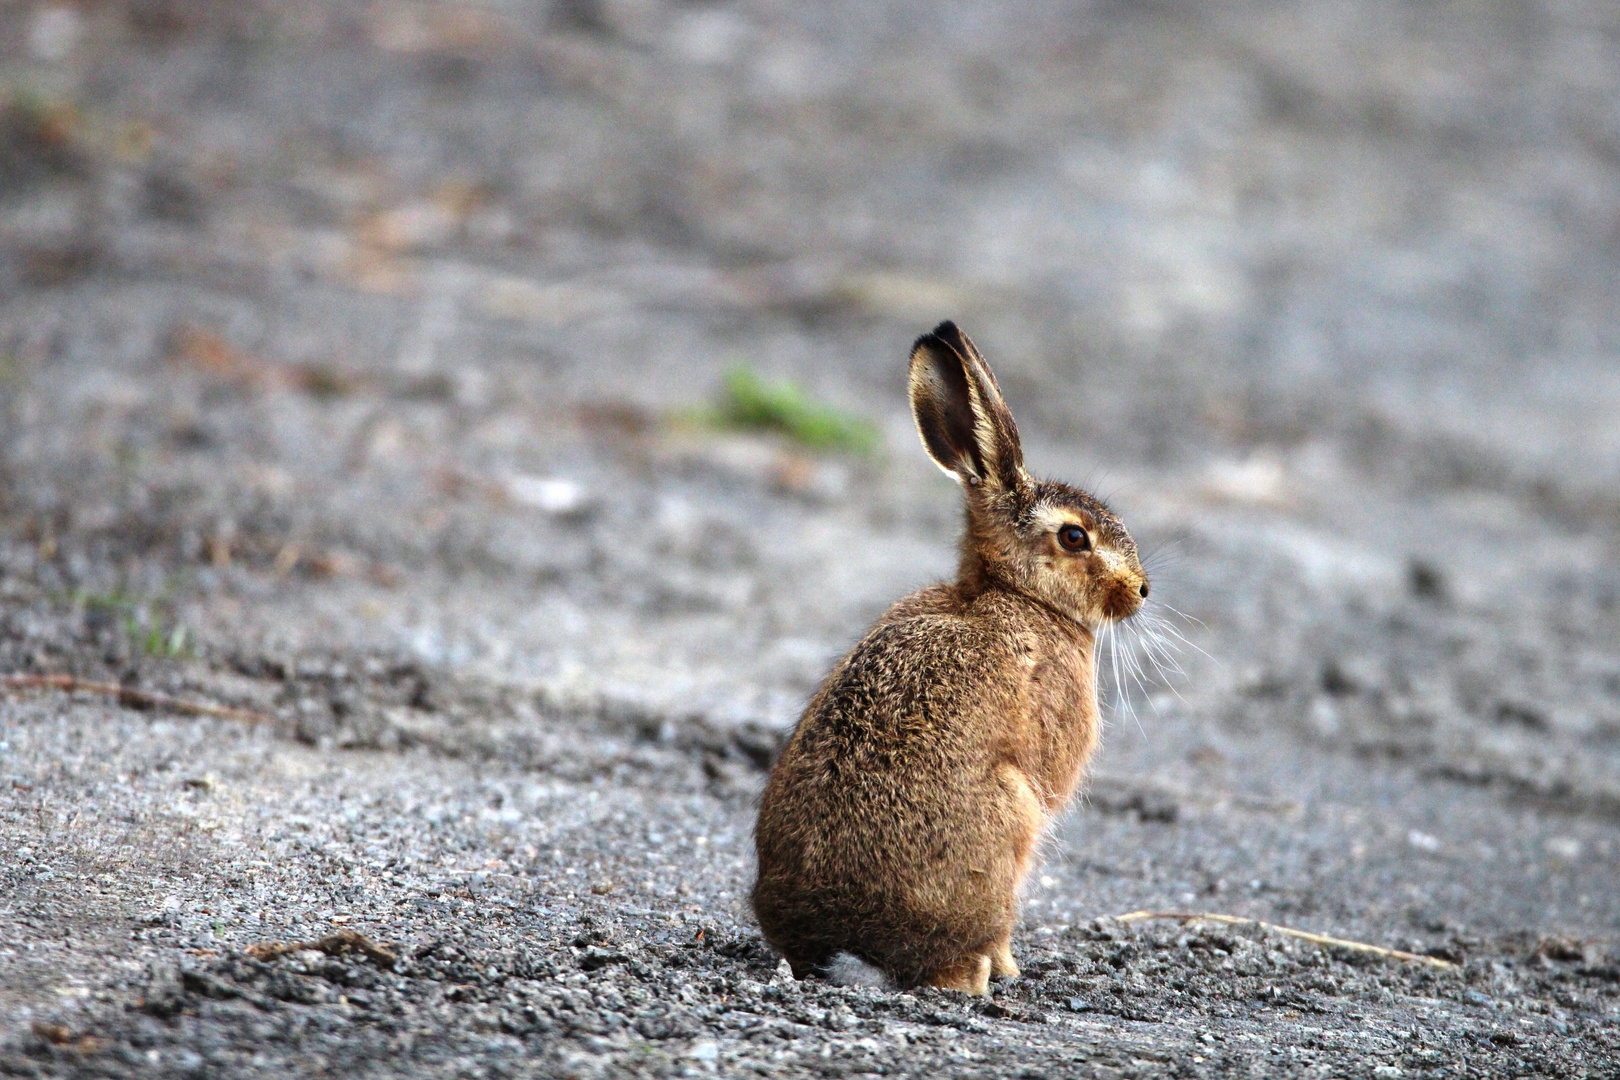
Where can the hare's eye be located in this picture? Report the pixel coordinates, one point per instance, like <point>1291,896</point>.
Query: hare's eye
<point>1074,538</point>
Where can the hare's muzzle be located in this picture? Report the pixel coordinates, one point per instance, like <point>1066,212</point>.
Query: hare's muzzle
<point>1125,596</point>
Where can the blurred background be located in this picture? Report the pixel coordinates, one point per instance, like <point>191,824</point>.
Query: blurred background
<point>465,333</point>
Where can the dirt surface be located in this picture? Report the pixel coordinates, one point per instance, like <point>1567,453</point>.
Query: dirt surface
<point>351,360</point>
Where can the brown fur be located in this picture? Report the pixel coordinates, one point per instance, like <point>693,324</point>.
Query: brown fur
<point>905,810</point>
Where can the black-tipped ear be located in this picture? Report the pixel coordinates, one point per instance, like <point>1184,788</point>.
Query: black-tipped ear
<point>965,425</point>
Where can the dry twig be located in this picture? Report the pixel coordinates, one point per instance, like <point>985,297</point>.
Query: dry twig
<point>344,941</point>
<point>1303,935</point>
<point>130,697</point>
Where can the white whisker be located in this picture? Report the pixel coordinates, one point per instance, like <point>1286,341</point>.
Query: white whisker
<point>1178,613</point>
<point>1174,631</point>
<point>1160,646</point>
<point>1147,656</point>
<point>1122,673</point>
<point>1133,667</point>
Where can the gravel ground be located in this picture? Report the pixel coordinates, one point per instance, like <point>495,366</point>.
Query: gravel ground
<point>351,368</point>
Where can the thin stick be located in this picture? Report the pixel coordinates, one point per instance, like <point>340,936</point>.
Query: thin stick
<point>135,699</point>
<point>1303,935</point>
<point>344,941</point>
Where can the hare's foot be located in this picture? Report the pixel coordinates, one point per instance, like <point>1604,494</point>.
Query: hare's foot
<point>971,975</point>
<point>1002,964</point>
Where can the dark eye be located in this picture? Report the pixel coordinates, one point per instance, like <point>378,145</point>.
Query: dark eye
<point>1074,538</point>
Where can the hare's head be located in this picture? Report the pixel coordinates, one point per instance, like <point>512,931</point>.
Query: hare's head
<point>1044,539</point>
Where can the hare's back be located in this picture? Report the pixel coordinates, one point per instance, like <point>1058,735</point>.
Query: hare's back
<point>917,695</point>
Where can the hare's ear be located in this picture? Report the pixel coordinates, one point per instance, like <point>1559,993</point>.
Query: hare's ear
<point>965,425</point>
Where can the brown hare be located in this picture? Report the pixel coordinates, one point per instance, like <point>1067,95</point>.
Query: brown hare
<point>906,808</point>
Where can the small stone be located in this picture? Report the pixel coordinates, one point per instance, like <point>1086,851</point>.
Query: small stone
<point>548,494</point>
<point>544,304</point>
<point>1564,847</point>
<point>415,226</point>
<point>55,33</point>
<point>1425,580</point>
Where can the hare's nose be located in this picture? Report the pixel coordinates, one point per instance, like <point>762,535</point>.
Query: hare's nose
<point>1143,590</point>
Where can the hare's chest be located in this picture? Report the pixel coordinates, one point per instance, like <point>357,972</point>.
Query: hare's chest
<point>1063,694</point>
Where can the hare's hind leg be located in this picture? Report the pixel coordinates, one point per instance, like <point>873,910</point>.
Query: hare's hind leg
<point>971,975</point>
